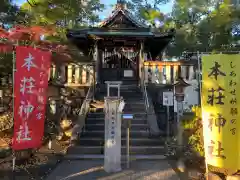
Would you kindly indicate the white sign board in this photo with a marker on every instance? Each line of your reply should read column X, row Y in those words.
column 127, row 116
column 168, row 98
column 128, row 73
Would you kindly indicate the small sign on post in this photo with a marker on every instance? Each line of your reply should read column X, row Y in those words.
column 127, row 118
column 168, row 98
column 168, row 101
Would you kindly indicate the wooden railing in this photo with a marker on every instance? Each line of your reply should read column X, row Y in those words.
column 167, row 72
column 72, row 74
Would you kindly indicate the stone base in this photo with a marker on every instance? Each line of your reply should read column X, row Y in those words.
column 233, row 177
column 212, row 176
column 112, row 170
column 181, row 165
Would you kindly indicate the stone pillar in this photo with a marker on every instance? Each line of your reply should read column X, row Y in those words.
column 77, row 74
column 191, row 73
column 175, row 73
column 49, row 73
column 69, row 74
column 168, row 74
column 160, row 70
column 91, row 70
column 53, row 71
column 112, row 149
column 84, row 74
column 183, row 72
column 63, row 72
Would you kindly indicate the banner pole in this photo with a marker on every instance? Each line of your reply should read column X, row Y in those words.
column 200, row 95
column 13, row 97
column 199, row 75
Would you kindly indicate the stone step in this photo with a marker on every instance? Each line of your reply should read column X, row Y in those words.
column 95, row 115
column 134, row 109
column 134, row 150
column 133, row 141
column 126, row 92
column 123, row 157
column 133, row 134
column 92, row 121
column 136, row 115
column 101, row 126
column 136, row 103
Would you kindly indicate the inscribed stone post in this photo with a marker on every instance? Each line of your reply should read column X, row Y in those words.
column 112, row 152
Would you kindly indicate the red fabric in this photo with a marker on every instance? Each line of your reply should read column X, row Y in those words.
column 30, row 97
column 6, row 48
column 3, row 33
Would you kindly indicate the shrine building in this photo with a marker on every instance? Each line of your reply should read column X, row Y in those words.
column 120, row 45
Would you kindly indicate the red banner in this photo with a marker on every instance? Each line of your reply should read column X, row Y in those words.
column 30, row 86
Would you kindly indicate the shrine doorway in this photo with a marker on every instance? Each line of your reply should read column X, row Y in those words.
column 120, row 67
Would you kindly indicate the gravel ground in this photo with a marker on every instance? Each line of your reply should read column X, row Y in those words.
column 37, row 167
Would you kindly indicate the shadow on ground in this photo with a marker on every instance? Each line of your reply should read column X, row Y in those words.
column 93, row 169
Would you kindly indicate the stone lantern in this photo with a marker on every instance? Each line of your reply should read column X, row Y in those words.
column 179, row 88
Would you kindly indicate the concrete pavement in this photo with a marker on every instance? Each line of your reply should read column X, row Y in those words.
column 93, row 170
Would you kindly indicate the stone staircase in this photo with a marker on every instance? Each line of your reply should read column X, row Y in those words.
column 142, row 146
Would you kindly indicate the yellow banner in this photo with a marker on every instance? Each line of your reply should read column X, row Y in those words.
column 220, row 109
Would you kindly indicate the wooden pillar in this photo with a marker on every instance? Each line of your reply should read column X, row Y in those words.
column 153, row 71
column 141, row 61
column 145, row 72
column 172, row 73
column 179, row 73
column 149, row 74
column 69, row 74
column 77, row 74
column 97, row 62
column 100, row 56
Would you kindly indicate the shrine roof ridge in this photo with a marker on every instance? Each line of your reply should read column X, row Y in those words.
column 127, row 14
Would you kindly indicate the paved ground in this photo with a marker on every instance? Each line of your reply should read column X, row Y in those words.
column 93, row 170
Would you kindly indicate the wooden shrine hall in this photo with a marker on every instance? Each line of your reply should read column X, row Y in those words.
column 120, row 45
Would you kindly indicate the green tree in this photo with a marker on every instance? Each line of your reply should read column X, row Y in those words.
column 204, row 26
column 10, row 13
column 61, row 15
column 64, row 13
column 201, row 25
column 146, row 10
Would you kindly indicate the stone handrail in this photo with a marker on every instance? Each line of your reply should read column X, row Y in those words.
column 80, row 125
column 151, row 116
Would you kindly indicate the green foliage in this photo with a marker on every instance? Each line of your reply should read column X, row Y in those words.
column 193, row 130
column 64, row 13
column 201, row 25
column 10, row 14
column 146, row 10
column 5, row 64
